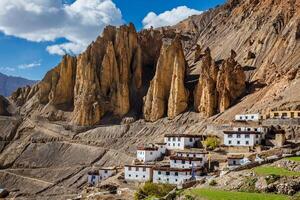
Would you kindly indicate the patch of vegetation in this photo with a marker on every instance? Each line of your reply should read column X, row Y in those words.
column 296, row 158
column 249, row 185
column 296, row 196
column 211, row 143
column 272, row 178
column 215, row 194
column 213, row 183
column 151, row 190
column 269, row 170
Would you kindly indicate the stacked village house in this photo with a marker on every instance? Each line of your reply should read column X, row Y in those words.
column 184, row 165
column 178, row 160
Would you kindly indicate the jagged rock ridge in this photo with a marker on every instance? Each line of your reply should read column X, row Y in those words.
column 115, row 74
column 167, row 93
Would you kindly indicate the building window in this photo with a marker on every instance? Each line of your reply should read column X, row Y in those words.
column 252, row 117
column 105, row 171
column 136, row 176
column 246, row 117
column 238, row 135
column 159, row 178
column 173, row 144
column 176, row 180
column 191, row 139
column 256, row 142
column 249, row 129
column 229, row 141
column 168, row 179
column 176, row 173
column 238, row 142
column 159, row 172
column 239, row 129
column 247, row 136
column 144, row 176
column 178, row 144
column 241, row 117
column 167, row 173
column 247, row 142
column 129, row 168
column 257, row 136
column 178, row 139
column 175, row 161
column 229, row 135
column 151, row 153
column 255, row 129
column 169, row 144
column 169, row 139
column 129, row 175
column 174, row 139
column 183, row 161
column 136, row 169
column 144, row 169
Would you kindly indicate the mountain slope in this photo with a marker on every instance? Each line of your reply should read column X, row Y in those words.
column 9, row 84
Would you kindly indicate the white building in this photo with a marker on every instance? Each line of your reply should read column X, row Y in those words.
column 242, row 138
column 235, row 160
column 161, row 147
column 140, row 173
column 263, row 129
column 93, row 178
column 181, row 141
column 174, row 176
column 151, row 152
column 188, row 159
column 106, row 172
column 186, row 162
column 193, row 154
column 248, row 117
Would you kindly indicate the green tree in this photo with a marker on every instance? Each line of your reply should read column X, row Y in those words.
column 211, row 143
column 153, row 190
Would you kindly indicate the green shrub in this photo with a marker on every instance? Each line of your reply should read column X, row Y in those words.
column 272, row 178
column 189, row 197
column 211, row 143
column 213, row 183
column 249, row 185
column 153, row 190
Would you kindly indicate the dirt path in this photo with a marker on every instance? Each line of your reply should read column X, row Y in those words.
column 28, row 178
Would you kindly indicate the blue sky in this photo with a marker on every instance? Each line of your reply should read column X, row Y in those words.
column 32, row 59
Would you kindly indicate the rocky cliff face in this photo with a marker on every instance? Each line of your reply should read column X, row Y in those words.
column 107, row 74
column 126, row 73
column 3, row 106
column 219, row 86
column 167, row 93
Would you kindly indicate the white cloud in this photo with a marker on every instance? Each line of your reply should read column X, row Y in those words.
column 7, row 69
column 169, row 18
column 47, row 20
column 30, row 65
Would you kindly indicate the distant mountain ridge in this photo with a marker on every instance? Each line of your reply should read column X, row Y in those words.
column 9, row 84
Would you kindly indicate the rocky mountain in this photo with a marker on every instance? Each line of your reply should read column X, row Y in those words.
column 130, row 87
column 4, row 106
column 114, row 77
column 9, row 84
